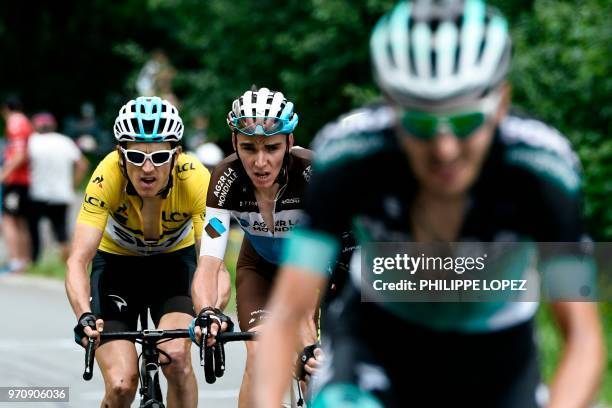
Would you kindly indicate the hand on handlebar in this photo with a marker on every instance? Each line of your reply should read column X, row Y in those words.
column 309, row 361
column 210, row 321
column 88, row 326
column 313, row 364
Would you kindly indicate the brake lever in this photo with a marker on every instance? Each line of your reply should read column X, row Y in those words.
column 90, row 352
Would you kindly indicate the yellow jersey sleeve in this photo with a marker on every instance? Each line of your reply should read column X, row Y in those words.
column 103, row 187
column 197, row 185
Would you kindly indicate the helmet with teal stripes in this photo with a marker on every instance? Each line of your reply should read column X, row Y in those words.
column 148, row 119
column 440, row 53
column 262, row 112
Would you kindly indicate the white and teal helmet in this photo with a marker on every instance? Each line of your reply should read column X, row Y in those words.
column 148, row 119
column 262, row 104
column 440, row 53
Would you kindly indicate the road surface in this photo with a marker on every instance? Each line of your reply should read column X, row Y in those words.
column 37, row 349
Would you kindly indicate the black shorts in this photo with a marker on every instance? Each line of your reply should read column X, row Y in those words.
column 121, row 286
column 57, row 215
column 375, row 357
column 15, row 200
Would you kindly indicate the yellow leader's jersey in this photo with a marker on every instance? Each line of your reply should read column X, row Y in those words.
column 109, row 207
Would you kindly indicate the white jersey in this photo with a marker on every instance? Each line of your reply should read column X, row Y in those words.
column 52, row 158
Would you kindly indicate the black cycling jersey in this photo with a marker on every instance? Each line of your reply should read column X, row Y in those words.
column 529, row 188
column 481, row 353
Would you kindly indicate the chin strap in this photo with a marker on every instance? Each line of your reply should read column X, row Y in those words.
column 163, row 193
column 283, row 174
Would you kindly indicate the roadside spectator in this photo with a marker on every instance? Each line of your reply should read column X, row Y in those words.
column 207, row 152
column 197, row 134
column 15, row 180
column 86, row 131
column 57, row 167
column 156, row 76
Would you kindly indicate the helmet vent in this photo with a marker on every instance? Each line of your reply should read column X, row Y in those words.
column 148, row 126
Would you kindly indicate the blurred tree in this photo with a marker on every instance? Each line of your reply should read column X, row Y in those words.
column 57, row 55
column 562, row 73
column 316, row 52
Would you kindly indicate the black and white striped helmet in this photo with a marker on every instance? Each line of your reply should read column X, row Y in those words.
column 440, row 53
column 148, row 119
column 263, row 103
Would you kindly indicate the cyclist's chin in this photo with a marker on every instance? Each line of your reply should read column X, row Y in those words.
column 449, row 182
column 147, row 190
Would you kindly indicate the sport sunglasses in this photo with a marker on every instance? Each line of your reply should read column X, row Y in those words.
column 138, row 158
column 425, row 126
column 259, row 125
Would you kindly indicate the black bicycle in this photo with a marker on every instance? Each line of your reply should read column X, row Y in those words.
column 212, row 358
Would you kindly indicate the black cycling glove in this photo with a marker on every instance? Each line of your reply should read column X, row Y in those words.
column 87, row 319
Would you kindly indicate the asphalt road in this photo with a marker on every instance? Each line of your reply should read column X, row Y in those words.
column 36, row 349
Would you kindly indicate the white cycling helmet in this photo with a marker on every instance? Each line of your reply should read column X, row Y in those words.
column 148, row 119
column 262, row 104
column 440, row 53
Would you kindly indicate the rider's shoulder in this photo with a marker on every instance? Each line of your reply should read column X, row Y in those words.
column 541, row 150
column 228, row 168
column 110, row 166
column 301, row 153
column 107, row 180
column 188, row 167
column 358, row 134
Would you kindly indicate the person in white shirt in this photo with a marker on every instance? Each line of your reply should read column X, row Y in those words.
column 56, row 167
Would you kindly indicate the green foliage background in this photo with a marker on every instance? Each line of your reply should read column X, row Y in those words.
column 316, row 52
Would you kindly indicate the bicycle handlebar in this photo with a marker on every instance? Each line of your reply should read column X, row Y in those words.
column 153, row 335
column 228, row 337
column 145, row 334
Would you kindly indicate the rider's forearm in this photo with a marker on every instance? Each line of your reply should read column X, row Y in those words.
column 310, row 333
column 224, row 287
column 274, row 362
column 290, row 305
column 579, row 373
column 85, row 243
column 205, row 282
column 77, row 286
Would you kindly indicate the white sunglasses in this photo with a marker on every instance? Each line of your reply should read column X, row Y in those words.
column 138, row 158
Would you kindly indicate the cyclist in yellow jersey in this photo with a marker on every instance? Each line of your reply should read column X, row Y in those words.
column 139, row 226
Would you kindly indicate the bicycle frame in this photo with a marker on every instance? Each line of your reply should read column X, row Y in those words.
column 150, row 390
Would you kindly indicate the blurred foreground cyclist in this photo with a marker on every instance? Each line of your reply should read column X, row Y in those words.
column 139, row 226
column 441, row 161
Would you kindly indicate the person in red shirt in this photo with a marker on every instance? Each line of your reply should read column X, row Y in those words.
column 15, row 179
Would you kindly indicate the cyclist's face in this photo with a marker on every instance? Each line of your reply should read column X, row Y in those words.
column 446, row 165
column 148, row 179
column 262, row 156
